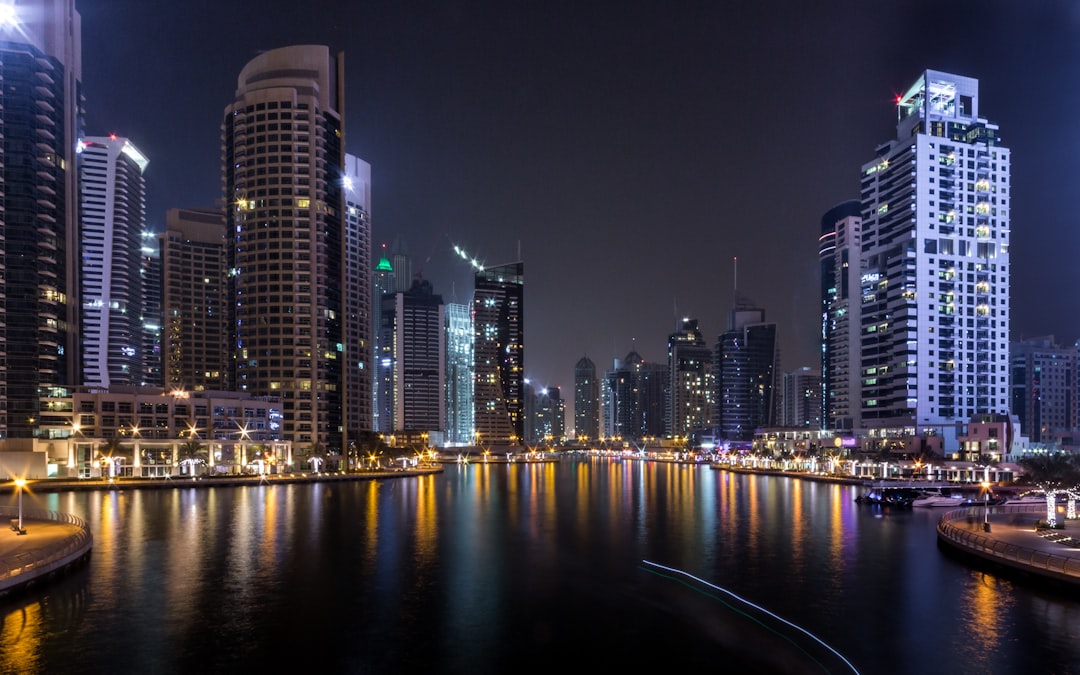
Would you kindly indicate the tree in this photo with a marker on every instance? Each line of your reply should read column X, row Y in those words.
column 192, row 454
column 1048, row 475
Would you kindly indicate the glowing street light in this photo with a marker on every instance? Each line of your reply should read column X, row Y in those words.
column 986, row 506
column 20, row 483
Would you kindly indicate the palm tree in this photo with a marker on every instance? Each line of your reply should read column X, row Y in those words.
column 316, row 455
column 1048, row 475
column 191, row 453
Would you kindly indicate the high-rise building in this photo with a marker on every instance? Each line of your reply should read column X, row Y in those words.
column 547, row 418
column 287, row 227
column 499, row 352
column 113, row 209
column 800, row 404
column 152, row 314
column 382, row 283
column 586, row 400
column 412, row 324
column 40, row 123
column 1043, row 379
column 690, row 367
column 195, row 325
column 460, row 429
column 635, row 398
column 839, row 250
column 359, row 310
column 402, row 265
column 934, row 348
column 747, row 363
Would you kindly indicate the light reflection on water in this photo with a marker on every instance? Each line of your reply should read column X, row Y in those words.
column 492, row 567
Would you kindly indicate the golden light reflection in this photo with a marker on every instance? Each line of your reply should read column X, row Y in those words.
column 20, row 640
column 982, row 607
column 427, row 520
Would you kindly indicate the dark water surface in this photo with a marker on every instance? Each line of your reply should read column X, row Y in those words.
column 523, row 568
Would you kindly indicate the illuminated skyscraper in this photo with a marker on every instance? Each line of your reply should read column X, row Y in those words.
column 40, row 122
column 586, row 400
column 747, row 362
column 934, row 347
column 289, row 244
column 690, row 368
column 195, row 328
column 499, row 328
column 113, row 200
column 460, row 428
column 382, row 283
column 839, row 250
column 359, row 310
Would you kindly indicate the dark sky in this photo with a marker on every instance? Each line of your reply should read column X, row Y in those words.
column 630, row 149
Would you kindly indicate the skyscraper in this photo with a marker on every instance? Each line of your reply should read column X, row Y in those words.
column 412, row 324
column 586, row 400
column 800, row 405
column 747, row 362
column 690, row 367
column 839, row 250
column 287, row 231
column 499, row 328
column 153, row 374
column 195, row 326
column 1044, row 388
column 40, row 122
column 382, row 283
column 460, row 428
column 359, row 310
column 934, row 346
column 113, row 201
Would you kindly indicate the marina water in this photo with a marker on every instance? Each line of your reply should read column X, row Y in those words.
column 494, row 568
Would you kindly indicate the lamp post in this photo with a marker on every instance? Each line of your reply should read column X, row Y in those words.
column 19, row 484
column 986, row 506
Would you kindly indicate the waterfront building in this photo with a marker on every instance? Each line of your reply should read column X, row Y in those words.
column 460, row 429
column 636, row 399
column 284, row 179
column 194, row 301
column 747, row 363
column 690, row 374
column 359, row 310
column 1044, row 388
column 113, row 211
column 934, row 348
column 586, row 400
column 412, row 324
column 499, row 353
column 142, row 432
column 40, row 123
column 839, row 251
column 800, row 402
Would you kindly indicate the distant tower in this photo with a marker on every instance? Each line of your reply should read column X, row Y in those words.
column 402, row 264
column 460, row 428
column 499, row 327
column 40, row 123
column 934, row 322
column 113, row 195
column 150, row 270
column 382, row 284
column 412, row 322
column 195, row 345
column 801, row 401
column 690, row 367
column 746, row 374
column 1044, row 388
column 287, row 228
column 586, row 400
column 839, row 250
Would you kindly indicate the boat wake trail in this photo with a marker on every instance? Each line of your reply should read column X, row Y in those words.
column 681, row 576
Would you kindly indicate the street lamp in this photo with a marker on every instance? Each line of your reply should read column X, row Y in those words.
column 19, row 484
column 986, row 506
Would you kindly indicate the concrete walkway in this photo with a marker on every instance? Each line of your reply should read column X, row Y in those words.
column 1007, row 536
column 51, row 543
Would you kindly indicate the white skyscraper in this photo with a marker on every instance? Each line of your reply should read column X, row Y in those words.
column 113, row 207
column 934, row 347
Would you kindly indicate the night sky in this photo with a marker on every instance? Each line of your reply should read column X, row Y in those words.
column 630, row 150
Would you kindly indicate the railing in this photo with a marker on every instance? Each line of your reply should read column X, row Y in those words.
column 1010, row 554
column 45, row 558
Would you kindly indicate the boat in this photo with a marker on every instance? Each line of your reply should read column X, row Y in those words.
column 889, row 496
column 939, row 499
column 1026, row 499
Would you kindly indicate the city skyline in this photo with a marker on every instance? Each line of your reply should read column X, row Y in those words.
column 571, row 134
